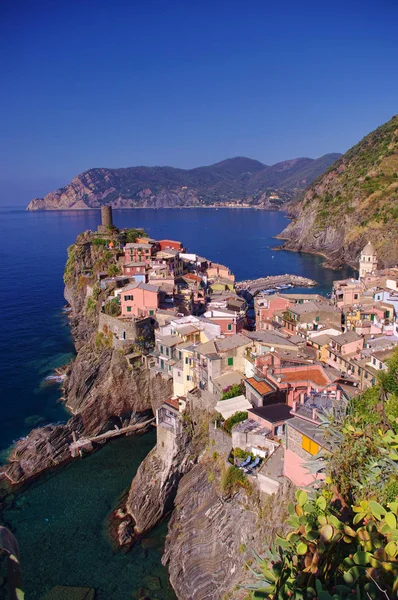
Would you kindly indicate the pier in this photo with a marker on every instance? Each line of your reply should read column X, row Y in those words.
column 86, row 443
column 254, row 286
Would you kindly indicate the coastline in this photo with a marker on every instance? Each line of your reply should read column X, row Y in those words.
column 212, row 206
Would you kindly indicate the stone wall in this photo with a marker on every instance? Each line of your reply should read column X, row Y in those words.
column 220, row 441
column 125, row 332
column 294, row 442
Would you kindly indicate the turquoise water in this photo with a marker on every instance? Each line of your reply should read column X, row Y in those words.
column 61, row 527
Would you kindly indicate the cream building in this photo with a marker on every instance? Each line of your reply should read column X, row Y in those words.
column 367, row 261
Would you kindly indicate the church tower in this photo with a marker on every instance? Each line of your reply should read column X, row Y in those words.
column 367, row 261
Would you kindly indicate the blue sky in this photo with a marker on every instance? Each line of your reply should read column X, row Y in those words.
column 97, row 83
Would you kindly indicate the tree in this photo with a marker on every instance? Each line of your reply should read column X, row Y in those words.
column 114, row 270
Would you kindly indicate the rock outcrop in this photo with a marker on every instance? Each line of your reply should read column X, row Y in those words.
column 210, row 537
column 43, row 449
column 354, row 202
column 155, row 485
column 238, row 181
column 101, row 389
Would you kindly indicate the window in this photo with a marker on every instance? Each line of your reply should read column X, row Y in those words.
column 317, row 319
column 179, row 355
column 229, row 326
column 374, row 361
column 355, row 296
column 129, row 309
column 161, row 349
column 309, row 446
column 167, row 351
column 186, row 360
column 188, row 378
column 151, row 313
column 230, row 362
column 128, row 298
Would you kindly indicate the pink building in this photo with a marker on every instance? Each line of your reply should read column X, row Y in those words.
column 139, row 300
column 217, row 271
column 134, row 268
column 347, row 292
column 266, row 307
column 304, row 436
column 296, row 382
column 230, row 322
column 170, row 244
column 138, row 252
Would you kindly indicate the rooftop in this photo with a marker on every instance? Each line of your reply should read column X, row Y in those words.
column 233, row 341
column 346, row 338
column 304, row 373
column 273, row 412
column 229, row 407
column 261, row 386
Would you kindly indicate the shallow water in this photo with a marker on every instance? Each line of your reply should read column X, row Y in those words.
column 61, row 527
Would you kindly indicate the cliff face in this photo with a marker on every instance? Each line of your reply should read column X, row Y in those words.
column 354, row 202
column 155, row 485
column 101, row 389
column 237, row 180
column 210, row 537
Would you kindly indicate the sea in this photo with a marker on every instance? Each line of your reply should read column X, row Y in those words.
column 60, row 521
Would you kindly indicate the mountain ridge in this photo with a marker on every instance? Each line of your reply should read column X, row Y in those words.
column 236, row 181
column 355, row 201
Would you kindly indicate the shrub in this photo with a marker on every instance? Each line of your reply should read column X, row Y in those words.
column 233, row 390
column 91, row 305
column 328, row 555
column 100, row 242
column 232, row 479
column 112, row 308
column 238, row 417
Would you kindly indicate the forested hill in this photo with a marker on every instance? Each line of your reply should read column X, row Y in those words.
column 236, row 180
column 355, row 201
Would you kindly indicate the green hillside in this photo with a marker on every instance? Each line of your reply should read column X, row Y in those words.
column 354, row 201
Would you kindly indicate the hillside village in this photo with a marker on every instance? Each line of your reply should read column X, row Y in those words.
column 269, row 385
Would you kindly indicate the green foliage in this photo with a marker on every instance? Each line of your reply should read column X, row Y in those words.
column 112, row 307
column 132, row 234
column 239, row 453
column 100, row 241
column 103, row 341
column 91, row 306
column 232, row 391
column 329, row 555
column 232, row 479
column 238, row 417
column 70, row 265
column 114, row 270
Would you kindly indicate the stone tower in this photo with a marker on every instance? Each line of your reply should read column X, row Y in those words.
column 368, row 260
column 106, row 216
column 106, row 219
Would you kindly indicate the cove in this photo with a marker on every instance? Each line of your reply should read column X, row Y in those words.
column 60, row 522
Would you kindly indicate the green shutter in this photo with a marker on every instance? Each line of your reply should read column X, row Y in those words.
column 230, row 362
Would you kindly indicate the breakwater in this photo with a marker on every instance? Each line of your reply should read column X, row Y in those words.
column 282, row 282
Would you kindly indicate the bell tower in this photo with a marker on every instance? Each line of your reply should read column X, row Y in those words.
column 368, row 260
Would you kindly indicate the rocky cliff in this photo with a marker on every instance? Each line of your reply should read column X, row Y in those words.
column 237, row 180
column 354, row 202
column 101, row 389
column 212, row 536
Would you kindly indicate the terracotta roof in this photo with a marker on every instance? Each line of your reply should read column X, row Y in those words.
column 315, row 375
column 262, row 387
column 173, row 402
